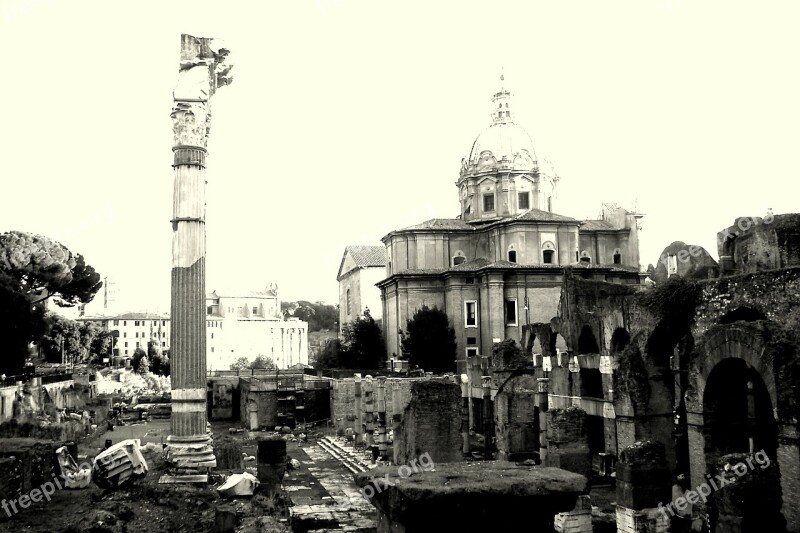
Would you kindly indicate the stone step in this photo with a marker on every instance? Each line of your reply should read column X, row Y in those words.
column 342, row 455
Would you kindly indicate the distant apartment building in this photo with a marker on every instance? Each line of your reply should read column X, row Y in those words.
column 361, row 268
column 134, row 330
column 237, row 325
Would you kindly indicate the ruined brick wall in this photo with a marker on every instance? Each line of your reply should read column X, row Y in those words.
column 431, row 423
column 267, row 408
column 344, row 407
column 754, row 244
column 775, row 295
column 37, row 459
column 567, row 441
column 516, row 416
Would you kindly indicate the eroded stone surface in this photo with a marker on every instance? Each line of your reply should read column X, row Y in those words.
column 471, row 495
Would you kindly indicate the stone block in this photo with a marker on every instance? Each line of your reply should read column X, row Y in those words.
column 641, row 521
column 271, row 451
column 484, row 496
column 579, row 520
column 575, row 459
column 228, row 453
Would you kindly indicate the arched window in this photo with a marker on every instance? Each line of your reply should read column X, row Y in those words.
column 458, row 258
column 585, row 257
column 548, row 253
column 512, row 254
column 617, row 257
column 348, row 302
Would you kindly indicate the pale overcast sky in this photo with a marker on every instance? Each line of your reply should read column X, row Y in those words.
column 346, row 120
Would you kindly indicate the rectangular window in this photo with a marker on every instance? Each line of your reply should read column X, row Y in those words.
column 255, row 310
column 470, row 281
column 470, row 314
column 472, row 352
column 116, row 322
column 137, row 344
column 124, row 334
column 163, row 322
column 137, row 334
column 126, row 345
column 136, row 323
column 511, row 312
column 164, row 344
column 488, row 202
column 524, row 200
column 472, row 340
column 212, row 349
column 124, row 322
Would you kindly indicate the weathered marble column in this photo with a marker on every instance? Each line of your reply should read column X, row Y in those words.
column 202, row 70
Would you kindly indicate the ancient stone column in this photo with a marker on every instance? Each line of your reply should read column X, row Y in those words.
column 202, row 70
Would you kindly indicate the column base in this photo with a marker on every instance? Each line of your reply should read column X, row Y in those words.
column 190, row 455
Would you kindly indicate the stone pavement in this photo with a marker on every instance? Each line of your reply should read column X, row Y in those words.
column 324, row 494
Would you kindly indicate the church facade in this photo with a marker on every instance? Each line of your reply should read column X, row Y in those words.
column 499, row 265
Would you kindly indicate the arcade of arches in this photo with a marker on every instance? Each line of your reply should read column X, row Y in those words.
column 708, row 387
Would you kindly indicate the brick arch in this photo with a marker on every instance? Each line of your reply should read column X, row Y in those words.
column 733, row 341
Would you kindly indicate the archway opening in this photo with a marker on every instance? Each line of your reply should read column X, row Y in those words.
column 738, row 412
column 620, row 339
column 587, row 343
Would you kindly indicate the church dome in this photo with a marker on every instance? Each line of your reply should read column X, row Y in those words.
column 502, row 146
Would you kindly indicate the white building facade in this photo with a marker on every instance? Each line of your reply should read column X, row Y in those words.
column 237, row 325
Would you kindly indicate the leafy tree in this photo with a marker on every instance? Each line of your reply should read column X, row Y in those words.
column 45, row 268
column 320, row 316
column 32, row 269
column 136, row 357
column 330, row 355
column 20, row 324
column 430, row 341
column 154, row 354
column 262, row 362
column 165, row 365
column 144, row 365
column 62, row 340
column 240, row 364
column 363, row 342
column 101, row 344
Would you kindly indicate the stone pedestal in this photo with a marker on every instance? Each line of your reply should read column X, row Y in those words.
column 271, row 457
column 643, row 489
column 579, row 520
